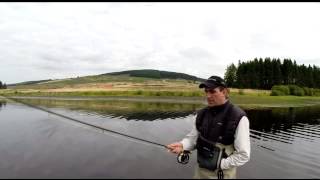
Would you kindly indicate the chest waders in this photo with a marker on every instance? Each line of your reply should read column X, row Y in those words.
column 216, row 128
column 209, row 156
column 203, row 173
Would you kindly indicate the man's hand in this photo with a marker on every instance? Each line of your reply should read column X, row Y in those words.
column 176, row 147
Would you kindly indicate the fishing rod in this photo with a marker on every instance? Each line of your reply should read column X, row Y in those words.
column 182, row 158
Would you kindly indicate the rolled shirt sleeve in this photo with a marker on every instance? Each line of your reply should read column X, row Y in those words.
column 190, row 140
column 241, row 155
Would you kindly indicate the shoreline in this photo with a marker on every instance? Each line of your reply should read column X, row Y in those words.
column 192, row 100
column 245, row 101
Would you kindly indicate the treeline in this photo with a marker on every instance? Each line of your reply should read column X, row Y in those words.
column 3, row 85
column 30, row 82
column 150, row 73
column 265, row 73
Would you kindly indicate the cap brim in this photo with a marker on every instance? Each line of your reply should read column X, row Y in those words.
column 207, row 85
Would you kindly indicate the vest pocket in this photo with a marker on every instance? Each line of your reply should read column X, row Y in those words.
column 209, row 159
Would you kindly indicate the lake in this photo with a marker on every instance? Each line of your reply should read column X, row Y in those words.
column 285, row 142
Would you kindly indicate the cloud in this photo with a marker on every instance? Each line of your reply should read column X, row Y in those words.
column 196, row 53
column 56, row 40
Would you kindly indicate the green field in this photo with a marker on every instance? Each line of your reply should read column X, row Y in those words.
column 247, row 100
column 143, row 88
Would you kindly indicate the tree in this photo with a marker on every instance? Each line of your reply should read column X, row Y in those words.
column 264, row 73
column 3, row 85
column 276, row 70
column 316, row 76
column 309, row 77
column 240, row 78
column 231, row 75
column 267, row 73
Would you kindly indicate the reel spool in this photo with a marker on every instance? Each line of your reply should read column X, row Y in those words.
column 183, row 157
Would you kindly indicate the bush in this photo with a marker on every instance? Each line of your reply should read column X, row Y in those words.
column 280, row 90
column 277, row 93
column 180, row 94
column 308, row 91
column 241, row 91
column 316, row 92
column 296, row 90
column 196, row 94
column 139, row 92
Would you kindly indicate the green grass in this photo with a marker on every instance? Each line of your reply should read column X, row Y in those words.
column 71, row 82
column 139, row 93
column 114, row 107
column 274, row 101
column 248, row 101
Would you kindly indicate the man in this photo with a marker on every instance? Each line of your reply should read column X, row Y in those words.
column 220, row 134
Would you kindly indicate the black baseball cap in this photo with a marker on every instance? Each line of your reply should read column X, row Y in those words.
column 213, row 82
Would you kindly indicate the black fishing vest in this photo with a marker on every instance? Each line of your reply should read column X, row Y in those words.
column 218, row 124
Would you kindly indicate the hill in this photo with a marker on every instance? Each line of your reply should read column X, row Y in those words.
column 132, row 79
column 150, row 73
column 30, row 82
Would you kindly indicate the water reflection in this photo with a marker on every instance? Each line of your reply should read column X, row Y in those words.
column 267, row 120
column 275, row 119
column 281, row 137
column 2, row 103
column 144, row 111
column 284, row 124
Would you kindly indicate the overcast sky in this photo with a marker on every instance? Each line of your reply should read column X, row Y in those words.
column 61, row 40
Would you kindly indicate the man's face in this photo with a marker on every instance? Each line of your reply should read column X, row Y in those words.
column 215, row 97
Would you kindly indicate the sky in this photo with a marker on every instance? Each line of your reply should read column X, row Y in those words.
column 62, row 40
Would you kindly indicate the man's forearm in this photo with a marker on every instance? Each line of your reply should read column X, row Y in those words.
column 241, row 155
column 190, row 140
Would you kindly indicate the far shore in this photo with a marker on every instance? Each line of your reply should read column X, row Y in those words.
column 246, row 101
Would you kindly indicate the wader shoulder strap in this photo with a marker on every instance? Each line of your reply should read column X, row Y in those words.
column 226, row 119
column 200, row 117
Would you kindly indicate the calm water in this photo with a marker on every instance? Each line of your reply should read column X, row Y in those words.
column 285, row 142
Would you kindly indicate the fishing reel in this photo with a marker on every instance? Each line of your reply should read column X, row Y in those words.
column 183, row 157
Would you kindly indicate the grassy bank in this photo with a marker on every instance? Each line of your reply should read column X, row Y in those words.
column 137, row 90
column 250, row 101
column 247, row 98
column 120, row 93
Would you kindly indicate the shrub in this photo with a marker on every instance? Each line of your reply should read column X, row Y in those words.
column 277, row 93
column 139, row 92
column 316, row 92
column 296, row 90
column 280, row 90
column 196, row 94
column 241, row 91
column 308, row 91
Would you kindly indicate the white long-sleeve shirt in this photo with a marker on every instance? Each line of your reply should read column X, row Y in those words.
column 240, row 156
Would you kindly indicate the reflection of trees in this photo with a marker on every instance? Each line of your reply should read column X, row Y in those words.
column 154, row 115
column 2, row 103
column 274, row 119
column 125, row 109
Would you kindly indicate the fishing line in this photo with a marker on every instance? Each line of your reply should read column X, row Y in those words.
column 182, row 158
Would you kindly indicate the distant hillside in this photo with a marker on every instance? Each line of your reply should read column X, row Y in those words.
column 150, row 73
column 30, row 82
column 128, row 77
